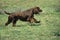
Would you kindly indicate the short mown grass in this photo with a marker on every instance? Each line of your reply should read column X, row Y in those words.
column 47, row 29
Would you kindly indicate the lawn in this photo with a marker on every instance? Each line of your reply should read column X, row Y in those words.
column 47, row 29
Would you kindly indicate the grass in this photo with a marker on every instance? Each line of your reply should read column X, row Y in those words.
column 47, row 29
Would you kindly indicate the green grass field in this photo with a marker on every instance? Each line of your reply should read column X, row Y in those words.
column 47, row 29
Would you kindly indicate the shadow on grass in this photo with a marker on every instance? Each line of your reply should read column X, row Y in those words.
column 29, row 24
column 20, row 25
column 56, row 34
column 34, row 24
column 58, row 9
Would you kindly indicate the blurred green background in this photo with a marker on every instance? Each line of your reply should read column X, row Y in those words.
column 47, row 29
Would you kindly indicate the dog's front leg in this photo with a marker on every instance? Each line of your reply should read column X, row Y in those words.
column 34, row 20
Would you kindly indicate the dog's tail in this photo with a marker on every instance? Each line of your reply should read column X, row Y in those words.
column 7, row 13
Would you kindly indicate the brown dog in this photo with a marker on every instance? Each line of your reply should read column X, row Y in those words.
column 27, row 15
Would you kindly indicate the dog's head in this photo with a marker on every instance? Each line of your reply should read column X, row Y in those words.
column 36, row 10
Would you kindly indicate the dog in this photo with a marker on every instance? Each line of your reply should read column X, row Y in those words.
column 27, row 16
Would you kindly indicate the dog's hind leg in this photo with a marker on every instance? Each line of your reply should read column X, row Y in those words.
column 9, row 21
column 14, row 22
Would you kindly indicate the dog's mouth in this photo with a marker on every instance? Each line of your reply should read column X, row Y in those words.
column 40, row 10
column 36, row 12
